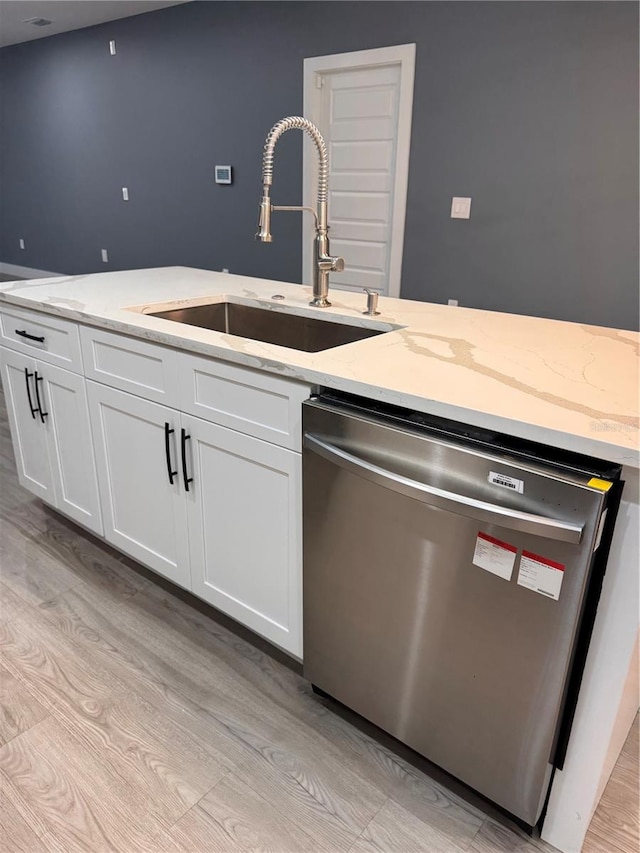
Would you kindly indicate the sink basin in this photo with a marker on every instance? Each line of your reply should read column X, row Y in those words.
column 270, row 326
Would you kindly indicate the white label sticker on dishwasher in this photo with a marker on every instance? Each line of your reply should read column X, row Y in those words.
column 494, row 556
column 540, row 575
column 506, row 482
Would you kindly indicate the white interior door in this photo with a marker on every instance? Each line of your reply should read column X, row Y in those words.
column 360, row 117
column 362, row 104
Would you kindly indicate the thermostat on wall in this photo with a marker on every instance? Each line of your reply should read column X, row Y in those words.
column 223, row 174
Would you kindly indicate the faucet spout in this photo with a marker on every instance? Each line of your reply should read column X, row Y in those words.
column 324, row 262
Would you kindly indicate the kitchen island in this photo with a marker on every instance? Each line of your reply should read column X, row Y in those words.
column 566, row 385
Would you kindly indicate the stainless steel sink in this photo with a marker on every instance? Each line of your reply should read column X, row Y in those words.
column 270, row 326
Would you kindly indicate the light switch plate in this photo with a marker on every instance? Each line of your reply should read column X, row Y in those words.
column 460, row 208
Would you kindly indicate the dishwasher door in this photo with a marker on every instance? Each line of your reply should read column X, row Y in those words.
column 430, row 590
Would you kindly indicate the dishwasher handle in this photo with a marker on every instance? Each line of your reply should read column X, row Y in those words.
column 523, row 522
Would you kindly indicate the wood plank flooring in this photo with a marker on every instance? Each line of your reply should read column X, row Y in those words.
column 615, row 827
column 133, row 719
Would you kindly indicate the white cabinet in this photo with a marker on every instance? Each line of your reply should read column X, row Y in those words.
column 244, row 511
column 211, row 509
column 195, row 462
column 49, row 419
column 143, row 507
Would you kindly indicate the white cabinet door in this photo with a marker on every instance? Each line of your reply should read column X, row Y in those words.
column 144, row 514
column 244, row 509
column 51, row 436
column 63, row 398
column 29, row 430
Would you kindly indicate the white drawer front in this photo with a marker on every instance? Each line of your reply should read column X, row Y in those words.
column 46, row 337
column 246, row 400
column 142, row 368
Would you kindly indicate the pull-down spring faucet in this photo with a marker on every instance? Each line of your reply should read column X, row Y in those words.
column 324, row 262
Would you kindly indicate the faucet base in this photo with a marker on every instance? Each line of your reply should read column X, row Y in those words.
column 320, row 302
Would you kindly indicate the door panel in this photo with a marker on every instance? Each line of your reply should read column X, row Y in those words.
column 356, row 101
column 365, row 232
column 370, row 128
column 64, row 397
column 30, row 435
column 352, row 78
column 244, row 518
column 360, row 207
column 144, row 515
column 375, row 182
column 369, row 154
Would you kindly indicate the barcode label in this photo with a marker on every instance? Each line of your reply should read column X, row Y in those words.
column 506, row 482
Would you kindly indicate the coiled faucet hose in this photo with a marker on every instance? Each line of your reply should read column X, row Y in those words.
column 298, row 123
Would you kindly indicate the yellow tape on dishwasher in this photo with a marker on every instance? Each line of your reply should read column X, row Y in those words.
column 603, row 485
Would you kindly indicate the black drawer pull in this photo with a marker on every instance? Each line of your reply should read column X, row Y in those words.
column 167, row 449
column 43, row 415
column 184, row 438
column 28, row 376
column 24, row 334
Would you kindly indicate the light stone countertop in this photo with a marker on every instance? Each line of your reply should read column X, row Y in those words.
column 564, row 384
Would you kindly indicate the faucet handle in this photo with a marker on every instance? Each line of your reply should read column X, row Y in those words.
column 327, row 263
column 372, row 302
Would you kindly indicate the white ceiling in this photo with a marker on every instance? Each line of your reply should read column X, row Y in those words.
column 66, row 15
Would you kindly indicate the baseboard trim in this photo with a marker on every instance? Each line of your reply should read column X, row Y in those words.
column 26, row 272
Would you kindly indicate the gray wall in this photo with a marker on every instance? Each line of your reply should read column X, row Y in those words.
column 529, row 108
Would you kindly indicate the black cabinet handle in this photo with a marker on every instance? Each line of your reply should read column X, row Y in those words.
column 28, row 376
column 24, row 334
column 167, row 449
column 184, row 438
column 43, row 415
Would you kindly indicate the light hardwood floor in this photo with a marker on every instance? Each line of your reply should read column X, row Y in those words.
column 133, row 719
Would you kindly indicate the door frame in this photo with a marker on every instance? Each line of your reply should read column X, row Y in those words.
column 404, row 55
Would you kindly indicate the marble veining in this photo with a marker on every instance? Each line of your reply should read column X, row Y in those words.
column 462, row 353
column 568, row 385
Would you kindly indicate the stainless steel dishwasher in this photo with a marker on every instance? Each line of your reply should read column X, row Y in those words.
column 451, row 578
